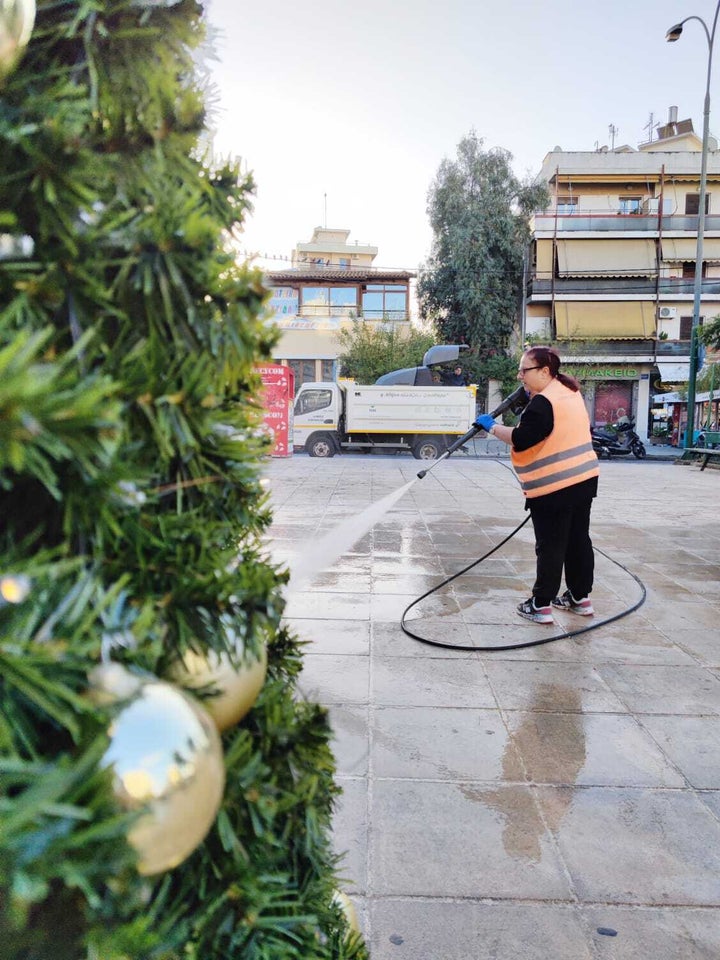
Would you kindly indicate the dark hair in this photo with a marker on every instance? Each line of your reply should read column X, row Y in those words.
column 549, row 357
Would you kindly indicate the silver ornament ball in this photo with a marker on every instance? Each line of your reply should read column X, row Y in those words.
column 168, row 765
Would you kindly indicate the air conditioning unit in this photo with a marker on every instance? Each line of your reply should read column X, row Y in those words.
column 668, row 313
column 652, row 206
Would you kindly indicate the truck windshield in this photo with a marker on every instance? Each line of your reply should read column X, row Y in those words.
column 311, row 400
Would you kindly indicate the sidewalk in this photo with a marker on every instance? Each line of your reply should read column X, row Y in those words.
column 560, row 802
column 490, row 447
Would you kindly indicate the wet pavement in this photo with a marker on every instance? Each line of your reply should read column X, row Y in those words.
column 554, row 802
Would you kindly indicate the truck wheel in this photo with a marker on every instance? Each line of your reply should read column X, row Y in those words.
column 321, row 445
column 428, row 448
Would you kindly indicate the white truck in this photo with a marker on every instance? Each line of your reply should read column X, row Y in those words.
column 331, row 417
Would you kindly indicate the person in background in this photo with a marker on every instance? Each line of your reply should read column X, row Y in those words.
column 456, row 378
column 552, row 453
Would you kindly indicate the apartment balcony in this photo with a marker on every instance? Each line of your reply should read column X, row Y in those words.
column 603, row 221
column 621, row 287
column 662, row 349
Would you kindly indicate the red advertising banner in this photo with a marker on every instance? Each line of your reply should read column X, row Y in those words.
column 277, row 398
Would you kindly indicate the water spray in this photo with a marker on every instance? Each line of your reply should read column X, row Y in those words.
column 323, row 552
column 516, row 402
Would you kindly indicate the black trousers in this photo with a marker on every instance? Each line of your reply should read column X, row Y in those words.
column 561, row 522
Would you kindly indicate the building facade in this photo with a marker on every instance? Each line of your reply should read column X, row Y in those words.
column 611, row 270
column 330, row 283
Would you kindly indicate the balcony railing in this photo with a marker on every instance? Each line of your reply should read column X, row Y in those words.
column 349, row 313
column 677, row 349
column 599, row 221
column 621, row 286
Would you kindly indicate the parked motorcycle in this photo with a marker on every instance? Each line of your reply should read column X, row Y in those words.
column 618, row 441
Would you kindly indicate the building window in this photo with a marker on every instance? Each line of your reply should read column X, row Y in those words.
column 686, row 327
column 692, row 204
column 323, row 301
column 567, row 206
column 688, row 269
column 328, row 371
column 630, row 205
column 304, row 371
column 315, row 301
column 385, row 300
column 343, row 296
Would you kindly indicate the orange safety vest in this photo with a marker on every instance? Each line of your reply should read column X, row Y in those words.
column 566, row 456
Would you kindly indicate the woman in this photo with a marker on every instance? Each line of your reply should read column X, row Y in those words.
column 558, row 471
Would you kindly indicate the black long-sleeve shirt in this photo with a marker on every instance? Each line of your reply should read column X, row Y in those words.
column 536, row 423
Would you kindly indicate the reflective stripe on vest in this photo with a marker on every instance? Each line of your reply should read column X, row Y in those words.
column 566, row 456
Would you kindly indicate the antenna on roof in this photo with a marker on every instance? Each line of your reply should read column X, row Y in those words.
column 649, row 126
column 612, row 130
column 325, row 221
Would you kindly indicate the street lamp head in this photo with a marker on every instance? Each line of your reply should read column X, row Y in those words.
column 673, row 33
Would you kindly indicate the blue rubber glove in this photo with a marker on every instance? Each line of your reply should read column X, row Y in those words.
column 485, row 421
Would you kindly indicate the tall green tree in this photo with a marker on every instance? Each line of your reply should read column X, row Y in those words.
column 133, row 522
column 709, row 333
column 367, row 350
column 471, row 285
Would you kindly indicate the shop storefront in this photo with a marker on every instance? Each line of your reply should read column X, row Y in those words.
column 613, row 391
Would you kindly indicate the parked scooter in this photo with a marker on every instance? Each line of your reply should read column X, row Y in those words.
column 619, row 441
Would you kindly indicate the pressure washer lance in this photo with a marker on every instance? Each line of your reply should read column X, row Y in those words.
column 516, row 402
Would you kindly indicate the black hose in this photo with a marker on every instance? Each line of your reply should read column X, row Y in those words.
column 527, row 643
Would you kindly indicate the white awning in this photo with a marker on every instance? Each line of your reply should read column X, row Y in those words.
column 604, row 319
column 606, row 258
column 674, row 371
column 685, row 248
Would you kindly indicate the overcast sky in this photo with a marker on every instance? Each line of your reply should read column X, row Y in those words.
column 344, row 111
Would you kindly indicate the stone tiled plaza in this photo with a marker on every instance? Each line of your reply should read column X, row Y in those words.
column 556, row 802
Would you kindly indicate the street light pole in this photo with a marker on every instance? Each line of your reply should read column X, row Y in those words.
column 671, row 36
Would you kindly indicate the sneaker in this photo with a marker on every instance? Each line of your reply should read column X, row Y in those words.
column 567, row 601
column 528, row 610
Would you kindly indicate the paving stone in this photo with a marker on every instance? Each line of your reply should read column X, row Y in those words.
column 636, row 846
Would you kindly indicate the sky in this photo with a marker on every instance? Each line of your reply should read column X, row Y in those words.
column 343, row 111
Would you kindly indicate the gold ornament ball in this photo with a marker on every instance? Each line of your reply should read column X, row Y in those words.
column 17, row 18
column 234, row 682
column 168, row 763
column 345, row 903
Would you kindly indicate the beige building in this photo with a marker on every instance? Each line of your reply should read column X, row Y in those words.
column 330, row 283
column 612, row 266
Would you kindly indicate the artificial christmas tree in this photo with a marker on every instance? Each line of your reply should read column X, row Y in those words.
column 132, row 516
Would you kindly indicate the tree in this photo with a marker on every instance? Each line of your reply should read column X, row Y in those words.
column 132, row 523
column 709, row 333
column 471, row 286
column 370, row 350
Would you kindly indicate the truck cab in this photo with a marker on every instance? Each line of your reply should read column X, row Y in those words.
column 317, row 412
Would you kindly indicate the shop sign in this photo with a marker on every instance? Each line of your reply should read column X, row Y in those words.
column 601, row 372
